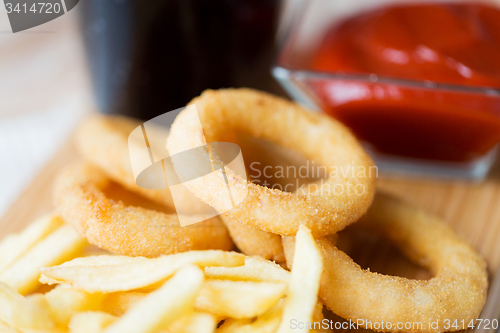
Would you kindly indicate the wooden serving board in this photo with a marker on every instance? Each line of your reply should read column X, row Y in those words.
column 472, row 210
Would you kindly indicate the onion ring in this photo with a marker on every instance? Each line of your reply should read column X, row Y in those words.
column 128, row 230
column 103, row 141
column 255, row 242
column 457, row 290
column 224, row 113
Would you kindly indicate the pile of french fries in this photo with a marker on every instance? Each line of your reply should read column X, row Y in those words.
column 49, row 284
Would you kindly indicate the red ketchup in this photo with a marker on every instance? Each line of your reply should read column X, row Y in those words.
column 455, row 44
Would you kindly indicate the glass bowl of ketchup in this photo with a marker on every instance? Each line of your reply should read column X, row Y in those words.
column 418, row 82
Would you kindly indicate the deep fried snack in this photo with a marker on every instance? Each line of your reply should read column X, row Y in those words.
column 456, row 292
column 103, row 141
column 339, row 201
column 128, row 230
column 255, row 242
column 251, row 240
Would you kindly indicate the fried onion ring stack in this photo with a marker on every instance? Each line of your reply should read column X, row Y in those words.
column 265, row 223
column 103, row 141
column 223, row 113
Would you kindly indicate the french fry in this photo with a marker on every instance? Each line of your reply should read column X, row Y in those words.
column 130, row 276
column 4, row 328
column 238, row 299
column 8, row 297
column 15, row 245
column 270, row 320
column 161, row 307
column 32, row 313
column 169, row 294
column 102, row 260
column 302, row 294
column 61, row 245
column 194, row 322
column 119, row 303
column 65, row 302
column 90, row 321
column 254, row 269
column 266, row 323
column 317, row 320
column 232, row 325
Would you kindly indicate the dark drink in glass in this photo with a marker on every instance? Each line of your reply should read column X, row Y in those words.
column 149, row 57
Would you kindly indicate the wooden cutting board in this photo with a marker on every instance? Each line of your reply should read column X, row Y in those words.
column 472, row 210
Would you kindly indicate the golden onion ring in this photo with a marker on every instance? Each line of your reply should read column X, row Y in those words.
column 224, row 113
column 128, row 230
column 456, row 292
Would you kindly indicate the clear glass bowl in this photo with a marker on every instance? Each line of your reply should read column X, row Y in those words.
column 460, row 142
